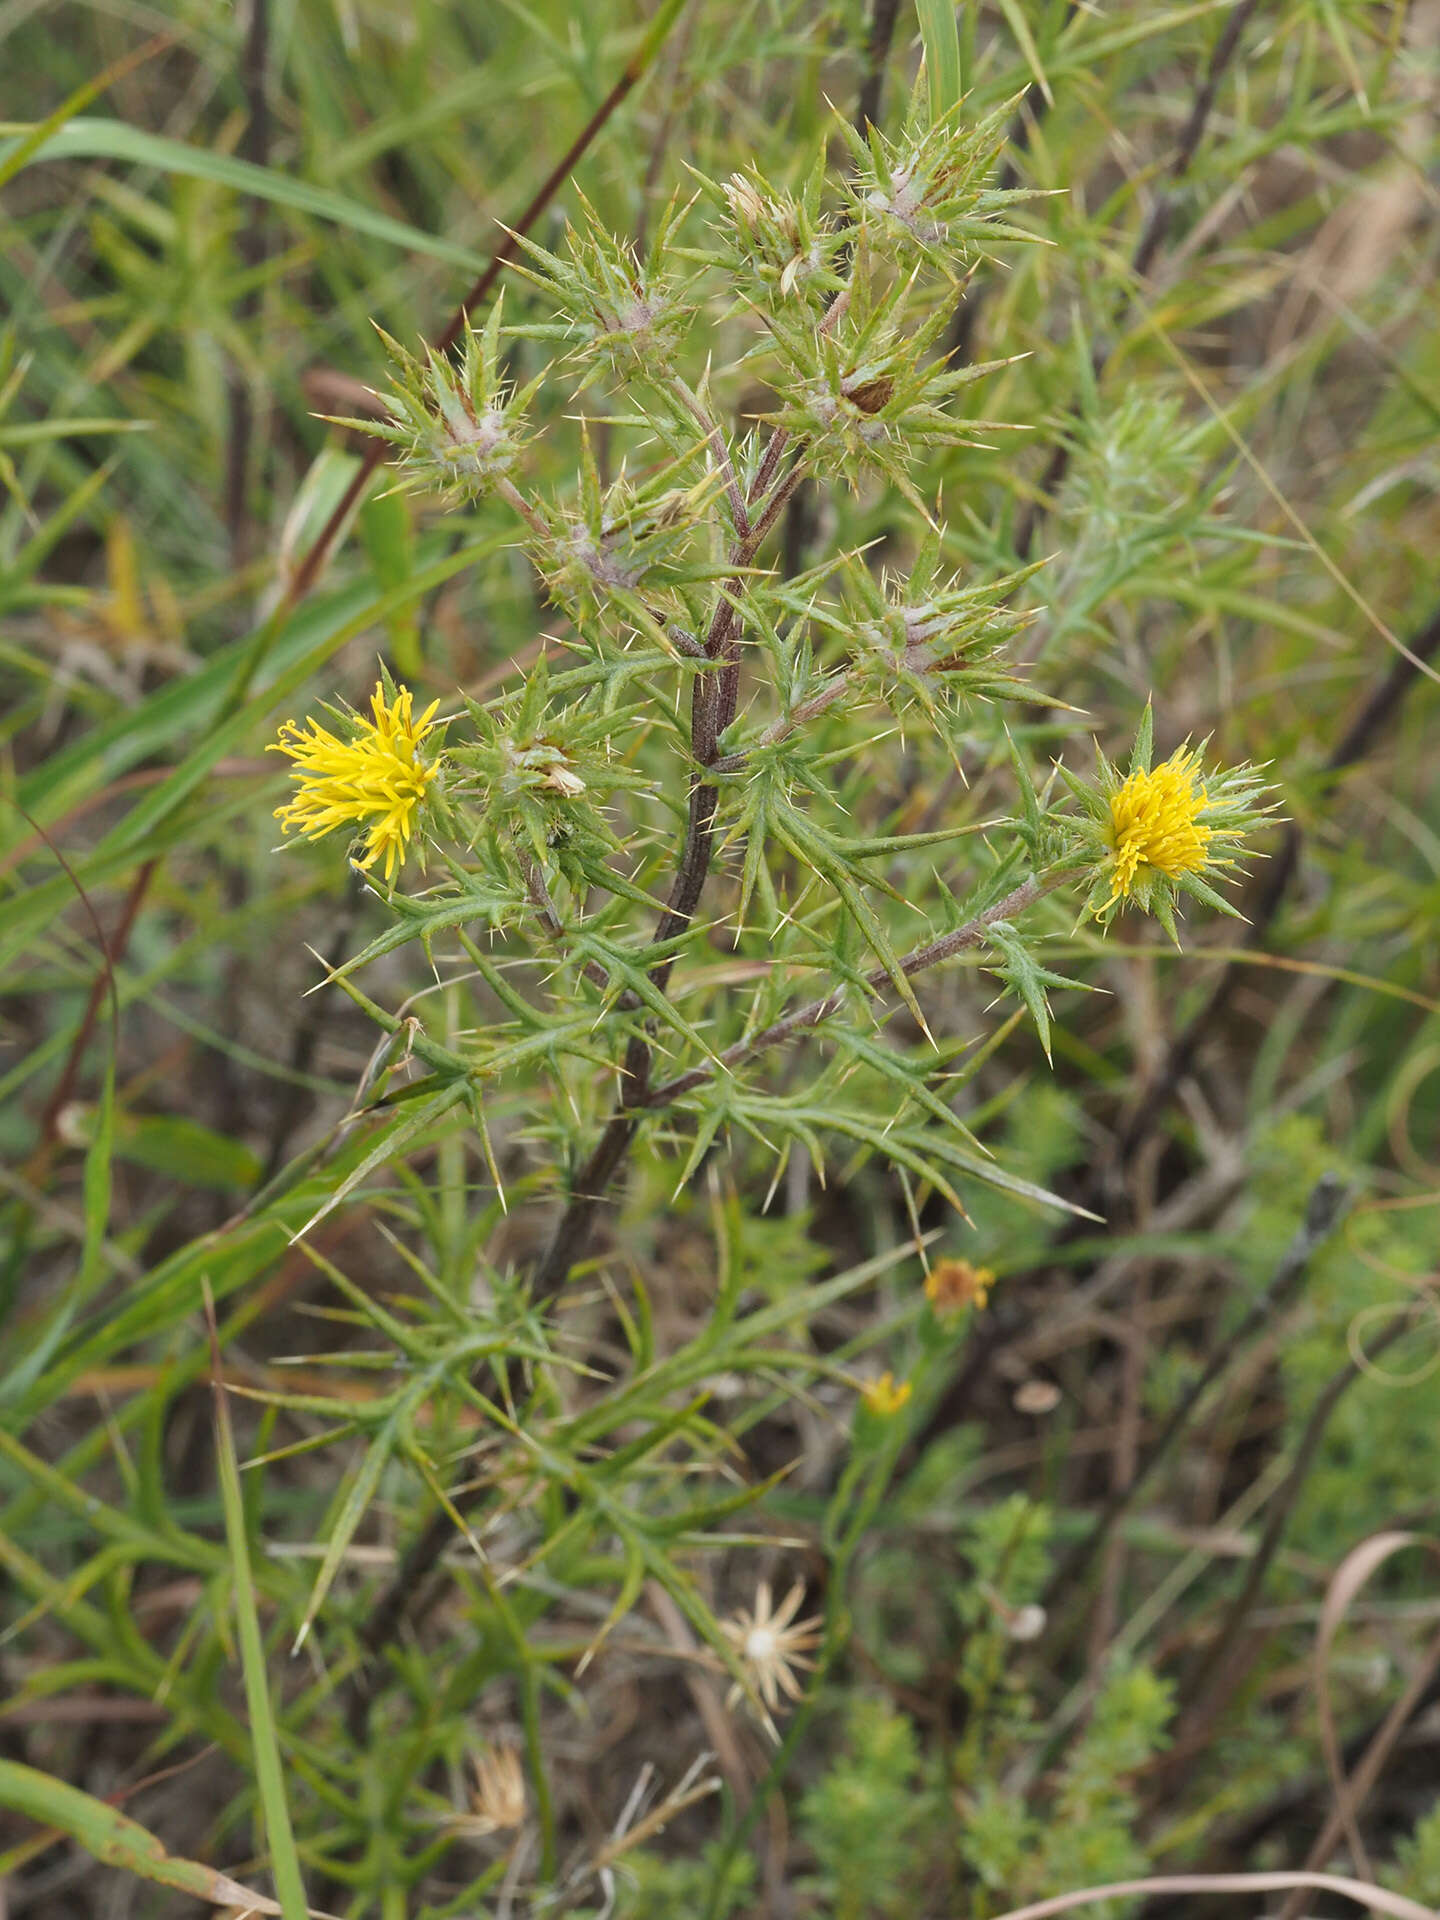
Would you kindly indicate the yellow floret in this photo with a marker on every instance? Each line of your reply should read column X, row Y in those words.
column 886, row 1396
column 377, row 780
column 1154, row 820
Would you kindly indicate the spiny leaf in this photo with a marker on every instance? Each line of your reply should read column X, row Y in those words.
column 1028, row 977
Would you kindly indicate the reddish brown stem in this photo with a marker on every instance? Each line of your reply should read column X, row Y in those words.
column 111, row 952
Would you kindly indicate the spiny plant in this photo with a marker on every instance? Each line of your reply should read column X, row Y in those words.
column 682, row 896
column 691, row 774
column 659, row 866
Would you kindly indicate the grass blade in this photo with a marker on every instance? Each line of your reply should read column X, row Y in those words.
column 942, row 55
column 284, row 1859
column 119, row 1841
column 89, row 139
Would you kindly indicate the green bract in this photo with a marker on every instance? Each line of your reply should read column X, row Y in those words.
column 457, row 430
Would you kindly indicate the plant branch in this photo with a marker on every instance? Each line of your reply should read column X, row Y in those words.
column 816, row 1012
column 710, row 427
column 712, row 708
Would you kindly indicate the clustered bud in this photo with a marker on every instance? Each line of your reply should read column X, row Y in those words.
column 781, row 239
column 865, row 393
column 458, row 428
column 928, row 192
column 929, row 636
column 622, row 314
column 619, row 548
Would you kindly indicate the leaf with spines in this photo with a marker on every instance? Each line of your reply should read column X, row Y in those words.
column 1028, row 976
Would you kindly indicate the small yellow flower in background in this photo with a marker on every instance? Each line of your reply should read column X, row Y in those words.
column 375, row 780
column 952, row 1285
column 771, row 1647
column 885, row 1396
column 1155, row 822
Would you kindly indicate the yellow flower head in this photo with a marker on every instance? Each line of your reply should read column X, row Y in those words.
column 1155, row 823
column 886, row 1395
column 376, row 780
column 952, row 1285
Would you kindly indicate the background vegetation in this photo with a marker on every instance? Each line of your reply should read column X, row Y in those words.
column 349, row 1548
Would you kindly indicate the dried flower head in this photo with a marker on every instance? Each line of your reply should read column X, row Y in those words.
column 745, row 199
column 376, row 779
column 497, row 1800
column 952, row 1285
column 773, row 1644
column 885, row 1396
column 1024, row 1623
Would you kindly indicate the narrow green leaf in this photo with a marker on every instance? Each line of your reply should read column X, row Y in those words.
column 284, row 1860
column 941, row 35
column 1015, row 19
column 112, row 140
column 118, row 1841
column 22, row 151
column 350, row 1507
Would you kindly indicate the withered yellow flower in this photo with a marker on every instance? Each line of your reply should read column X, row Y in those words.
column 376, row 780
column 1155, row 823
column 886, row 1395
column 952, row 1285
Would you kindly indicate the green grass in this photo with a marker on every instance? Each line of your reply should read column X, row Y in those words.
column 444, row 1495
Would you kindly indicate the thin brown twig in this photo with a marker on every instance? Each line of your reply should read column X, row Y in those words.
column 111, row 952
column 878, row 41
column 1292, row 1807
column 250, row 244
column 1350, row 1791
column 1229, row 1655
column 1361, row 1783
column 1322, row 1213
column 125, row 783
